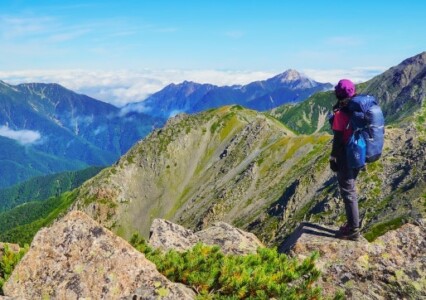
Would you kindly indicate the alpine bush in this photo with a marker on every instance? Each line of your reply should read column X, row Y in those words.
column 213, row 275
column 8, row 260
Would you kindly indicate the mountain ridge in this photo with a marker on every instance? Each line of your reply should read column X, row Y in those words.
column 192, row 97
column 65, row 125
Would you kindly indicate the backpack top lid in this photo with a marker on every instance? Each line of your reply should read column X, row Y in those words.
column 361, row 103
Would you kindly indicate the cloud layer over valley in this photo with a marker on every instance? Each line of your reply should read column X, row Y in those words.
column 125, row 86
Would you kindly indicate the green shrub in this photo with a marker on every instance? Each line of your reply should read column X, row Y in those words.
column 8, row 260
column 213, row 275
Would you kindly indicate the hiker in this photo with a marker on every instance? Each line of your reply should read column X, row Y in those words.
column 346, row 176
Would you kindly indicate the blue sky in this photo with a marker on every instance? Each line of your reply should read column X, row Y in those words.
column 127, row 49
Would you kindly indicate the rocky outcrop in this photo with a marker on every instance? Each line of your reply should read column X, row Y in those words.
column 230, row 239
column 167, row 235
column 391, row 267
column 77, row 258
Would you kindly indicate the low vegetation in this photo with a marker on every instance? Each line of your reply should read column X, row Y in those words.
column 8, row 260
column 213, row 275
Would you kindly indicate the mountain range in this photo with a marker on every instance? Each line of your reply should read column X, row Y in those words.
column 245, row 168
column 191, row 97
column 270, row 177
column 46, row 128
column 249, row 169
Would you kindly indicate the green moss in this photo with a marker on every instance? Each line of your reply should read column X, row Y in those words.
column 381, row 228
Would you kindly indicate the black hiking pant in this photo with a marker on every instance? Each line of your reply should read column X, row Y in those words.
column 346, row 178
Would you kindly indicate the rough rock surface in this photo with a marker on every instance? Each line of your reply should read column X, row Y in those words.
column 391, row 267
column 167, row 235
column 230, row 239
column 77, row 258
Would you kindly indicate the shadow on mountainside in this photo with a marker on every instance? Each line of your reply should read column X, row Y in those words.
column 307, row 228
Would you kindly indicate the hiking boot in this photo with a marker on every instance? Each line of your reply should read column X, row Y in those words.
column 347, row 232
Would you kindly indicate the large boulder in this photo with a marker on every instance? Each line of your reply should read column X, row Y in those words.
column 391, row 267
column 77, row 258
column 166, row 235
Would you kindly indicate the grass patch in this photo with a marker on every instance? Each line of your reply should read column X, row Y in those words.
column 381, row 228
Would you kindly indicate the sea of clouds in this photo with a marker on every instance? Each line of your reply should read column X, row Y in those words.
column 125, row 86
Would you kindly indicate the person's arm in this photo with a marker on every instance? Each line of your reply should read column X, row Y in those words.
column 338, row 143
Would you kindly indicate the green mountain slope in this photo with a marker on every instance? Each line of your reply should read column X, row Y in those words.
column 309, row 116
column 250, row 170
column 244, row 168
column 226, row 164
column 67, row 131
column 43, row 187
column 20, row 224
column 18, row 162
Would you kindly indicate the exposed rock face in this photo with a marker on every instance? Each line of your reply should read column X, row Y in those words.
column 77, row 258
column 166, row 235
column 230, row 239
column 392, row 267
column 402, row 89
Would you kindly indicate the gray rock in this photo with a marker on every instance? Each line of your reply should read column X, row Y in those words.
column 77, row 258
column 166, row 235
column 230, row 239
column 391, row 267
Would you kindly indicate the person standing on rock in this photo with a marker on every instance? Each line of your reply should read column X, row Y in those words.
column 346, row 176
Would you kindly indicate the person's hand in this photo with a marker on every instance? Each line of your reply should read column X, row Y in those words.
column 333, row 164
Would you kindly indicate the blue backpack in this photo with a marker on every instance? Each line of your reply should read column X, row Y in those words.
column 368, row 121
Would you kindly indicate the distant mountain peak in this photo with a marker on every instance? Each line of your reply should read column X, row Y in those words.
column 294, row 80
column 291, row 75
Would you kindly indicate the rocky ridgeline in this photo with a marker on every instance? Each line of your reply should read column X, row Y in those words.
column 77, row 258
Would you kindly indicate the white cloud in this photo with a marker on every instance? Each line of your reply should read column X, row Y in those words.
column 125, row 86
column 24, row 137
column 334, row 75
column 122, row 87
